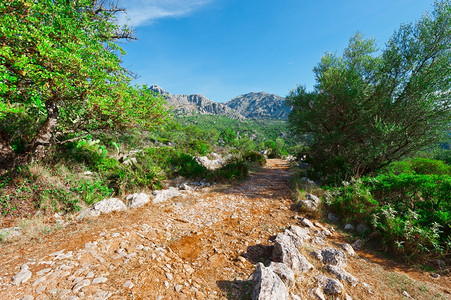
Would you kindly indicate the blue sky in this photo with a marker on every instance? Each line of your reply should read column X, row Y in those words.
column 224, row 48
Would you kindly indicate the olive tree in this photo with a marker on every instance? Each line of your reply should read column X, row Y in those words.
column 60, row 71
column 370, row 107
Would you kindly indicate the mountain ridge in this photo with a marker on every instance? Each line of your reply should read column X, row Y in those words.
column 253, row 105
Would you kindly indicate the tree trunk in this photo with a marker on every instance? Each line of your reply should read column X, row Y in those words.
column 45, row 134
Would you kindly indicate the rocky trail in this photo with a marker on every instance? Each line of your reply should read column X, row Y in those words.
column 217, row 242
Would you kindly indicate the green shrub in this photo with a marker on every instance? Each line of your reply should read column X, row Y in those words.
column 92, row 191
column 411, row 212
column 93, row 155
column 187, row 166
column 353, row 201
column 427, row 195
column 197, row 146
column 234, row 169
column 255, row 157
column 419, row 166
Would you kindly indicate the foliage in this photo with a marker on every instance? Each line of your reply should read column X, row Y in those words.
column 353, row 201
column 368, row 110
column 48, row 188
column 245, row 135
column 423, row 166
column 234, row 169
column 409, row 207
column 60, row 67
column 275, row 149
column 187, row 166
column 255, row 157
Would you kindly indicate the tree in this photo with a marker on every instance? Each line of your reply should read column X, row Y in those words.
column 368, row 110
column 60, row 70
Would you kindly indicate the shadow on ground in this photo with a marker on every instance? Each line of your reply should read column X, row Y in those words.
column 236, row 289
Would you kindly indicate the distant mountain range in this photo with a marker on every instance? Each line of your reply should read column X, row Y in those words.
column 259, row 105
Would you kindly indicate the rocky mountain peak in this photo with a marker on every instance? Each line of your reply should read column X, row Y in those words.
column 158, row 89
column 253, row 105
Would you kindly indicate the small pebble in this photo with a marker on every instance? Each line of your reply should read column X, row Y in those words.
column 405, row 294
column 178, row 288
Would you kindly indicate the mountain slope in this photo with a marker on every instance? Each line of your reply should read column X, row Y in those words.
column 260, row 106
column 188, row 104
column 250, row 106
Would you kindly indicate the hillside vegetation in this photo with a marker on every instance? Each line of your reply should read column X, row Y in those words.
column 73, row 130
column 378, row 125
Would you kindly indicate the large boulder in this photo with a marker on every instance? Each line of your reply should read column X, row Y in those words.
column 267, row 285
column 286, row 252
column 342, row 275
column 331, row 256
column 297, row 241
column 102, row 207
column 216, row 162
column 330, row 286
column 137, row 200
column 311, row 203
column 284, row 272
column 348, row 249
column 22, row 276
column 302, row 233
column 163, row 195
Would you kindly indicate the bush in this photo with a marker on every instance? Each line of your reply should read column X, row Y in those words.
column 255, row 157
column 353, row 201
column 187, row 166
column 234, row 169
column 422, row 166
column 411, row 212
column 92, row 191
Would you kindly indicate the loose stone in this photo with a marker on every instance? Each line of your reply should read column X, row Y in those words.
column 43, row 271
column 330, row 286
column 99, row 280
column 178, row 288
column 22, row 276
column 348, row 249
column 81, row 285
column 128, row 284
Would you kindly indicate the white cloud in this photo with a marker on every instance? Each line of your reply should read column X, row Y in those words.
column 144, row 12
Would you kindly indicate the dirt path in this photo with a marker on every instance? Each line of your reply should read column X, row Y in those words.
column 202, row 245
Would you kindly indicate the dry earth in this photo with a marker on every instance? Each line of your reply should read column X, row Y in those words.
column 202, row 245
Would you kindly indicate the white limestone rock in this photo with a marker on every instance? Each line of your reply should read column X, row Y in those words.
column 267, row 285
column 284, row 272
column 137, row 200
column 22, row 276
column 331, row 256
column 306, row 222
column 348, row 249
column 163, row 195
column 342, row 275
column 285, row 251
column 330, row 286
column 102, row 207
